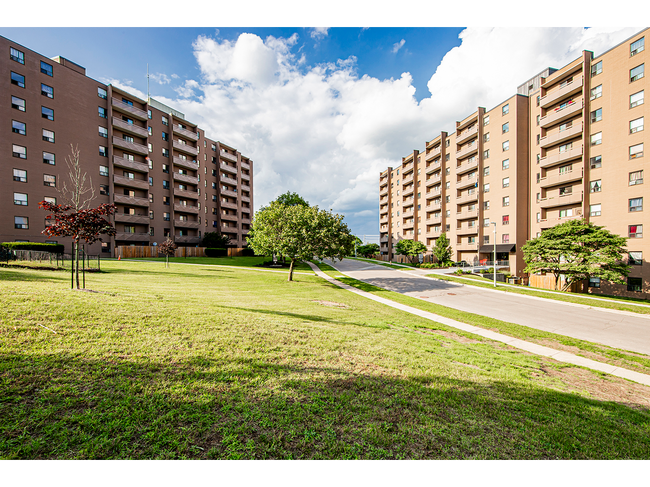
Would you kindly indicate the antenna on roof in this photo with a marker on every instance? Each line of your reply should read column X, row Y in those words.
column 148, row 95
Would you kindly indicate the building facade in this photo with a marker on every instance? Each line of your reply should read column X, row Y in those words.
column 568, row 145
column 165, row 176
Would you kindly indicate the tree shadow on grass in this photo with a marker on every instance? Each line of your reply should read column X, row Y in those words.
column 61, row 406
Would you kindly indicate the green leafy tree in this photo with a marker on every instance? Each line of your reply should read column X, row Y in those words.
column 410, row 248
column 214, row 240
column 291, row 199
column 442, row 249
column 577, row 250
column 299, row 233
column 368, row 250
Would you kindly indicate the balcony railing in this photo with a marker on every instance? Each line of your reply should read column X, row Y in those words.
column 227, row 168
column 223, row 204
column 120, row 106
column 182, row 193
column 130, row 200
column 188, row 134
column 186, row 208
column 560, row 114
column 125, row 218
column 187, row 239
column 558, row 157
column 186, row 224
column 130, row 146
column 467, row 150
column 467, row 183
column 466, row 198
column 467, row 166
column 464, row 215
column 232, row 194
column 467, row 230
column 551, row 222
column 187, row 148
column 185, row 178
column 562, row 200
column 131, row 183
column 562, row 178
column 127, row 163
column 467, row 134
column 186, row 163
column 130, row 128
column 433, row 153
column 555, row 95
column 230, row 157
column 228, row 180
column 433, row 167
column 131, row 237
column 245, row 165
column 232, row 218
column 557, row 137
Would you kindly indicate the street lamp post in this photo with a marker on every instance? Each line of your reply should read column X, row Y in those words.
column 494, row 260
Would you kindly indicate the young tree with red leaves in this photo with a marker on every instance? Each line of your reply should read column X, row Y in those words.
column 167, row 248
column 76, row 218
column 86, row 225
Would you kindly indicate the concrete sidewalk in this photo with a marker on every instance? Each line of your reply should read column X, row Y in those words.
column 558, row 355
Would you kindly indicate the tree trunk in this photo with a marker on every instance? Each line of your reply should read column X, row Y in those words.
column 557, row 282
column 291, row 270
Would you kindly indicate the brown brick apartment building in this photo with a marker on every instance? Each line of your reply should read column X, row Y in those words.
column 161, row 171
column 569, row 144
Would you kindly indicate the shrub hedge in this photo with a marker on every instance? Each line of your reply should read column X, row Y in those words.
column 42, row 247
column 210, row 252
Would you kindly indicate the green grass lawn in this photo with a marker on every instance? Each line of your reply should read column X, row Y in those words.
column 210, row 362
column 230, row 261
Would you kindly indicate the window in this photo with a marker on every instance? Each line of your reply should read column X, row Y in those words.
column 636, row 151
column 595, row 162
column 597, row 68
column 597, row 139
column 594, row 282
column 596, row 115
column 129, row 229
column 505, row 238
column 165, row 168
column 127, row 120
column 49, row 158
column 49, row 180
column 538, row 119
column 128, row 138
column 506, row 182
column 17, row 79
column 505, row 164
column 128, row 175
column 595, row 186
column 127, row 102
column 635, row 231
column 166, row 217
column 19, row 151
column 636, row 99
column 506, row 201
column 486, row 188
column 165, row 184
column 150, row 198
column 637, row 46
column 538, row 158
column 165, row 136
column 635, row 258
column 18, row 127
column 50, row 200
column 596, row 92
column 447, row 213
column 20, row 199
column 103, row 151
column 594, row 210
column 48, row 136
column 566, row 190
column 486, row 171
column 102, row 112
column 636, row 177
column 505, row 128
column 636, row 73
column 566, row 213
column 149, row 130
column 446, row 157
column 486, row 154
column 47, row 113
column 505, row 220
column 150, row 181
column 165, row 153
column 103, row 132
column 103, row 170
column 165, row 120
column 149, row 114
column 47, row 91
column 101, row 92
column 486, row 222
column 447, row 185
column 565, row 147
column 20, row 176
column 565, row 169
column 505, row 110
column 538, row 138
column 486, row 137
column 506, row 145
column 635, row 284
column 539, row 97
column 103, row 189
column 538, row 217
column 486, row 239
column 486, row 205
column 150, row 147
column 636, row 125
column 636, row 204
column 486, row 120
column 17, row 55
column 166, row 200
column 21, row 222
column 46, row 69
column 150, row 214
column 18, row 103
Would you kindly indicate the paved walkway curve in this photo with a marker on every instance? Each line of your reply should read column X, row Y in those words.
column 558, row 355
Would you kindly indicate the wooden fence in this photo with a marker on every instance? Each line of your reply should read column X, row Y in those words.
column 548, row 282
column 140, row 252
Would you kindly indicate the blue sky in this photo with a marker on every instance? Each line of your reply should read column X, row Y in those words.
column 321, row 111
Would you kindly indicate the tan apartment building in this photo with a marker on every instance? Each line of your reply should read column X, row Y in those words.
column 570, row 144
column 165, row 176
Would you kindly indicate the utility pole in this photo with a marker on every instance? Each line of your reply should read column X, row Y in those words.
column 494, row 261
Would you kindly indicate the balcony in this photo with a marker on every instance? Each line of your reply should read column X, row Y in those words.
column 434, row 192
column 467, row 166
column 383, row 199
column 433, row 180
column 228, row 180
column 556, row 95
column 408, row 167
column 383, row 219
column 466, row 247
column 224, row 204
column 130, row 128
column 186, row 163
column 564, row 200
column 232, row 218
column 130, row 146
column 186, row 224
column 409, row 190
column 182, row 193
column 227, row 168
column 467, row 134
column 230, row 157
column 232, row 194
column 132, row 237
column 130, row 200
column 468, row 150
column 557, row 137
column 467, row 198
column 467, row 214
column 186, row 208
column 434, row 219
column 383, row 240
column 245, row 187
column 188, row 134
column 187, row 148
column 185, row 178
column 233, row 229
column 467, row 183
column 558, row 157
column 464, row 123
column 565, row 177
column 187, row 239
column 245, row 198
column 434, row 166
column 467, row 230
column 246, row 221
column 120, row 106
column 560, row 114
column 433, row 153
column 131, row 183
column 245, row 177
column 408, row 224
column 551, row 222
column 128, row 164
column 407, row 179
column 245, row 165
column 139, row 219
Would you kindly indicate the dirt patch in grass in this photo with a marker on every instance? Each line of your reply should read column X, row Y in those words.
column 607, row 388
column 453, row 336
column 331, row 304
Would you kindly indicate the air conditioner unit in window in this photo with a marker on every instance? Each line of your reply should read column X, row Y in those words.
column 578, row 211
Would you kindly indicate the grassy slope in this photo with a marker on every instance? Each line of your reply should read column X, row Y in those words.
column 205, row 362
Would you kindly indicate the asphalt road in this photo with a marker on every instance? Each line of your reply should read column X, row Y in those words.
column 618, row 330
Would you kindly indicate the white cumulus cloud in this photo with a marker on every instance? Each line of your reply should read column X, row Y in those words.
column 319, row 33
column 160, row 78
column 397, row 46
